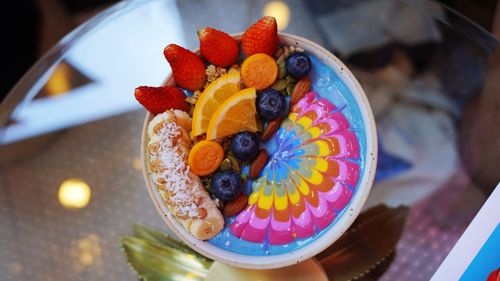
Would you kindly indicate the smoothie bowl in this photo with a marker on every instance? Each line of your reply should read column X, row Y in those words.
column 270, row 160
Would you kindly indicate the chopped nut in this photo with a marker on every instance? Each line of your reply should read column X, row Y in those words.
column 292, row 49
column 191, row 100
column 154, row 165
column 299, row 50
column 183, row 216
column 157, row 127
column 202, row 213
column 153, row 148
column 211, row 70
column 221, row 71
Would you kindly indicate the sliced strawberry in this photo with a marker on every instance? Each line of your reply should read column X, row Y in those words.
column 218, row 47
column 158, row 99
column 261, row 37
column 187, row 67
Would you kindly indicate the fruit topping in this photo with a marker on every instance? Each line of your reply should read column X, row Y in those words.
column 226, row 185
column 188, row 69
column 301, row 89
column 245, row 146
column 205, row 157
column 211, row 98
column 258, row 164
column 158, row 99
column 261, row 37
column 218, row 47
column 298, row 65
column 270, row 104
column 259, row 71
column 234, row 115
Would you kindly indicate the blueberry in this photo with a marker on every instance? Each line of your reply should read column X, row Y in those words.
column 226, row 185
column 270, row 104
column 298, row 65
column 245, row 146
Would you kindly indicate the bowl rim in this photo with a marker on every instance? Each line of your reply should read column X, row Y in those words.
column 343, row 222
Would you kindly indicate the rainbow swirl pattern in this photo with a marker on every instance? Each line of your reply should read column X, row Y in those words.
column 307, row 181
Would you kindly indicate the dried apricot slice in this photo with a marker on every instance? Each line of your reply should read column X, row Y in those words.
column 259, row 71
column 205, row 157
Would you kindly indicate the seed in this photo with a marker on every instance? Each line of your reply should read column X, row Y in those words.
column 234, row 207
column 279, row 85
column 271, row 128
column 258, row 164
column 301, row 89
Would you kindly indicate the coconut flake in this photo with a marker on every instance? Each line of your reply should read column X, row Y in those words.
column 174, row 170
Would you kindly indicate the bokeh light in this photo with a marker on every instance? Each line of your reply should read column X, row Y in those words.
column 59, row 83
column 74, row 193
column 280, row 11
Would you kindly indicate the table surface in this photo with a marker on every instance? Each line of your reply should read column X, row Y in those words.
column 72, row 120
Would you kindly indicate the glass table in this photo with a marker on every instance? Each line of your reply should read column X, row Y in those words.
column 70, row 177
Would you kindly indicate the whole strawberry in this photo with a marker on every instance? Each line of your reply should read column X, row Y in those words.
column 261, row 37
column 158, row 99
column 187, row 67
column 218, row 47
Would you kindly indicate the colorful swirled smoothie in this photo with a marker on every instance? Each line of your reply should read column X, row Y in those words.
column 315, row 161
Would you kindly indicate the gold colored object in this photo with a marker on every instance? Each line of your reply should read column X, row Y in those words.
column 280, row 11
column 74, row 193
column 368, row 247
column 308, row 270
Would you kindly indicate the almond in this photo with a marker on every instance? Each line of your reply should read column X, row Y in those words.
column 271, row 128
column 258, row 164
column 301, row 89
column 234, row 207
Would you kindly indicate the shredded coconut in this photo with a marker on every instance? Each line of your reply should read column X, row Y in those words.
column 175, row 172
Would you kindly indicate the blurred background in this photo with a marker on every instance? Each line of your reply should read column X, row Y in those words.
column 70, row 167
column 43, row 23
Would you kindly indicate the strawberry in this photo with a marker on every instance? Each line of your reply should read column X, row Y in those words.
column 261, row 37
column 158, row 99
column 218, row 47
column 187, row 67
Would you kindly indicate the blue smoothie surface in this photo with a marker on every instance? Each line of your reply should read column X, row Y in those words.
column 328, row 85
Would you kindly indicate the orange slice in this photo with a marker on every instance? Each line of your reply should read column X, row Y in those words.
column 234, row 115
column 211, row 98
column 259, row 71
column 205, row 157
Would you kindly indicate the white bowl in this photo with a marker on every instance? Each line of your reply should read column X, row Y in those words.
column 341, row 224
